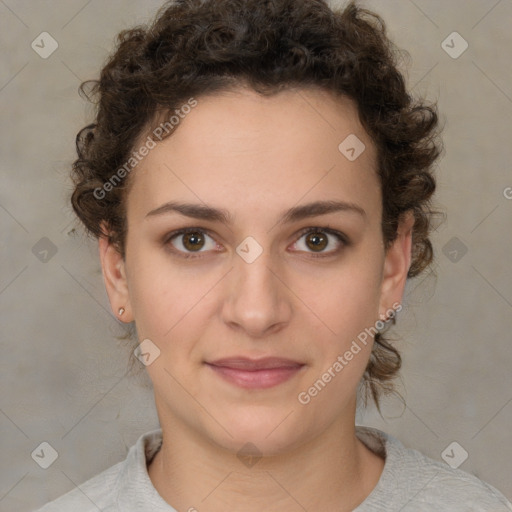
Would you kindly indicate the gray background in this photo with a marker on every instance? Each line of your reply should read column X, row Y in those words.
column 62, row 370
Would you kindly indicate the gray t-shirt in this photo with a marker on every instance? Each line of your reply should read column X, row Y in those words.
column 410, row 482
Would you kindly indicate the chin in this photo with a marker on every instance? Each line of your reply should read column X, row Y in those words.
column 271, row 432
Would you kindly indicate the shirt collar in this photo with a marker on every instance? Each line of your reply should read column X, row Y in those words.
column 135, row 492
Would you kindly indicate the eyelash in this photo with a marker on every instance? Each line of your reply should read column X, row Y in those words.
column 340, row 236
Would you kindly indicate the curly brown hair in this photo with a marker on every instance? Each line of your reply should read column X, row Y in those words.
column 197, row 47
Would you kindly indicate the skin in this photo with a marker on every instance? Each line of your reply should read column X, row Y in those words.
column 257, row 157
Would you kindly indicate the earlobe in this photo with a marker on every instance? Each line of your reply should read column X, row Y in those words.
column 114, row 277
column 396, row 265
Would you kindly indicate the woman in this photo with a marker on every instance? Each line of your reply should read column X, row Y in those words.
column 260, row 183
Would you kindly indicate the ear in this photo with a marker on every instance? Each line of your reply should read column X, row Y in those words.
column 114, row 277
column 396, row 265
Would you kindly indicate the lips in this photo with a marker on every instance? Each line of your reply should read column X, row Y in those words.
column 255, row 373
column 267, row 363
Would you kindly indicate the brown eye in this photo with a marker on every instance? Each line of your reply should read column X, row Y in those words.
column 193, row 241
column 185, row 242
column 317, row 241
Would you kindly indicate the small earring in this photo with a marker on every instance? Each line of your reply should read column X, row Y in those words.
column 121, row 311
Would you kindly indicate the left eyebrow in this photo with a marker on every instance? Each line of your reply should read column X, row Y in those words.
column 203, row 212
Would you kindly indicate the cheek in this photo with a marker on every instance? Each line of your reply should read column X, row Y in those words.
column 168, row 300
column 153, row 288
column 357, row 302
column 350, row 310
column 345, row 300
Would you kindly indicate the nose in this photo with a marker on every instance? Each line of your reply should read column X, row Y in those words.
column 257, row 301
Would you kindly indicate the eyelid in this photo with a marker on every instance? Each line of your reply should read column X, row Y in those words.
column 342, row 239
column 183, row 231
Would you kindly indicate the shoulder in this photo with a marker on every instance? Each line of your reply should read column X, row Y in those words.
column 411, row 481
column 93, row 495
column 115, row 488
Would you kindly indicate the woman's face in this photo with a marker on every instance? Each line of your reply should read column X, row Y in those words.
column 257, row 283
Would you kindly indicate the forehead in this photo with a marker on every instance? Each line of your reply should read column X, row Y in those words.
column 239, row 148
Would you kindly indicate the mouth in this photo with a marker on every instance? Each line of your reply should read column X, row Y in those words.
column 255, row 373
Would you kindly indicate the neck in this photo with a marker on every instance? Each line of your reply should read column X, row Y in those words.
column 334, row 471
